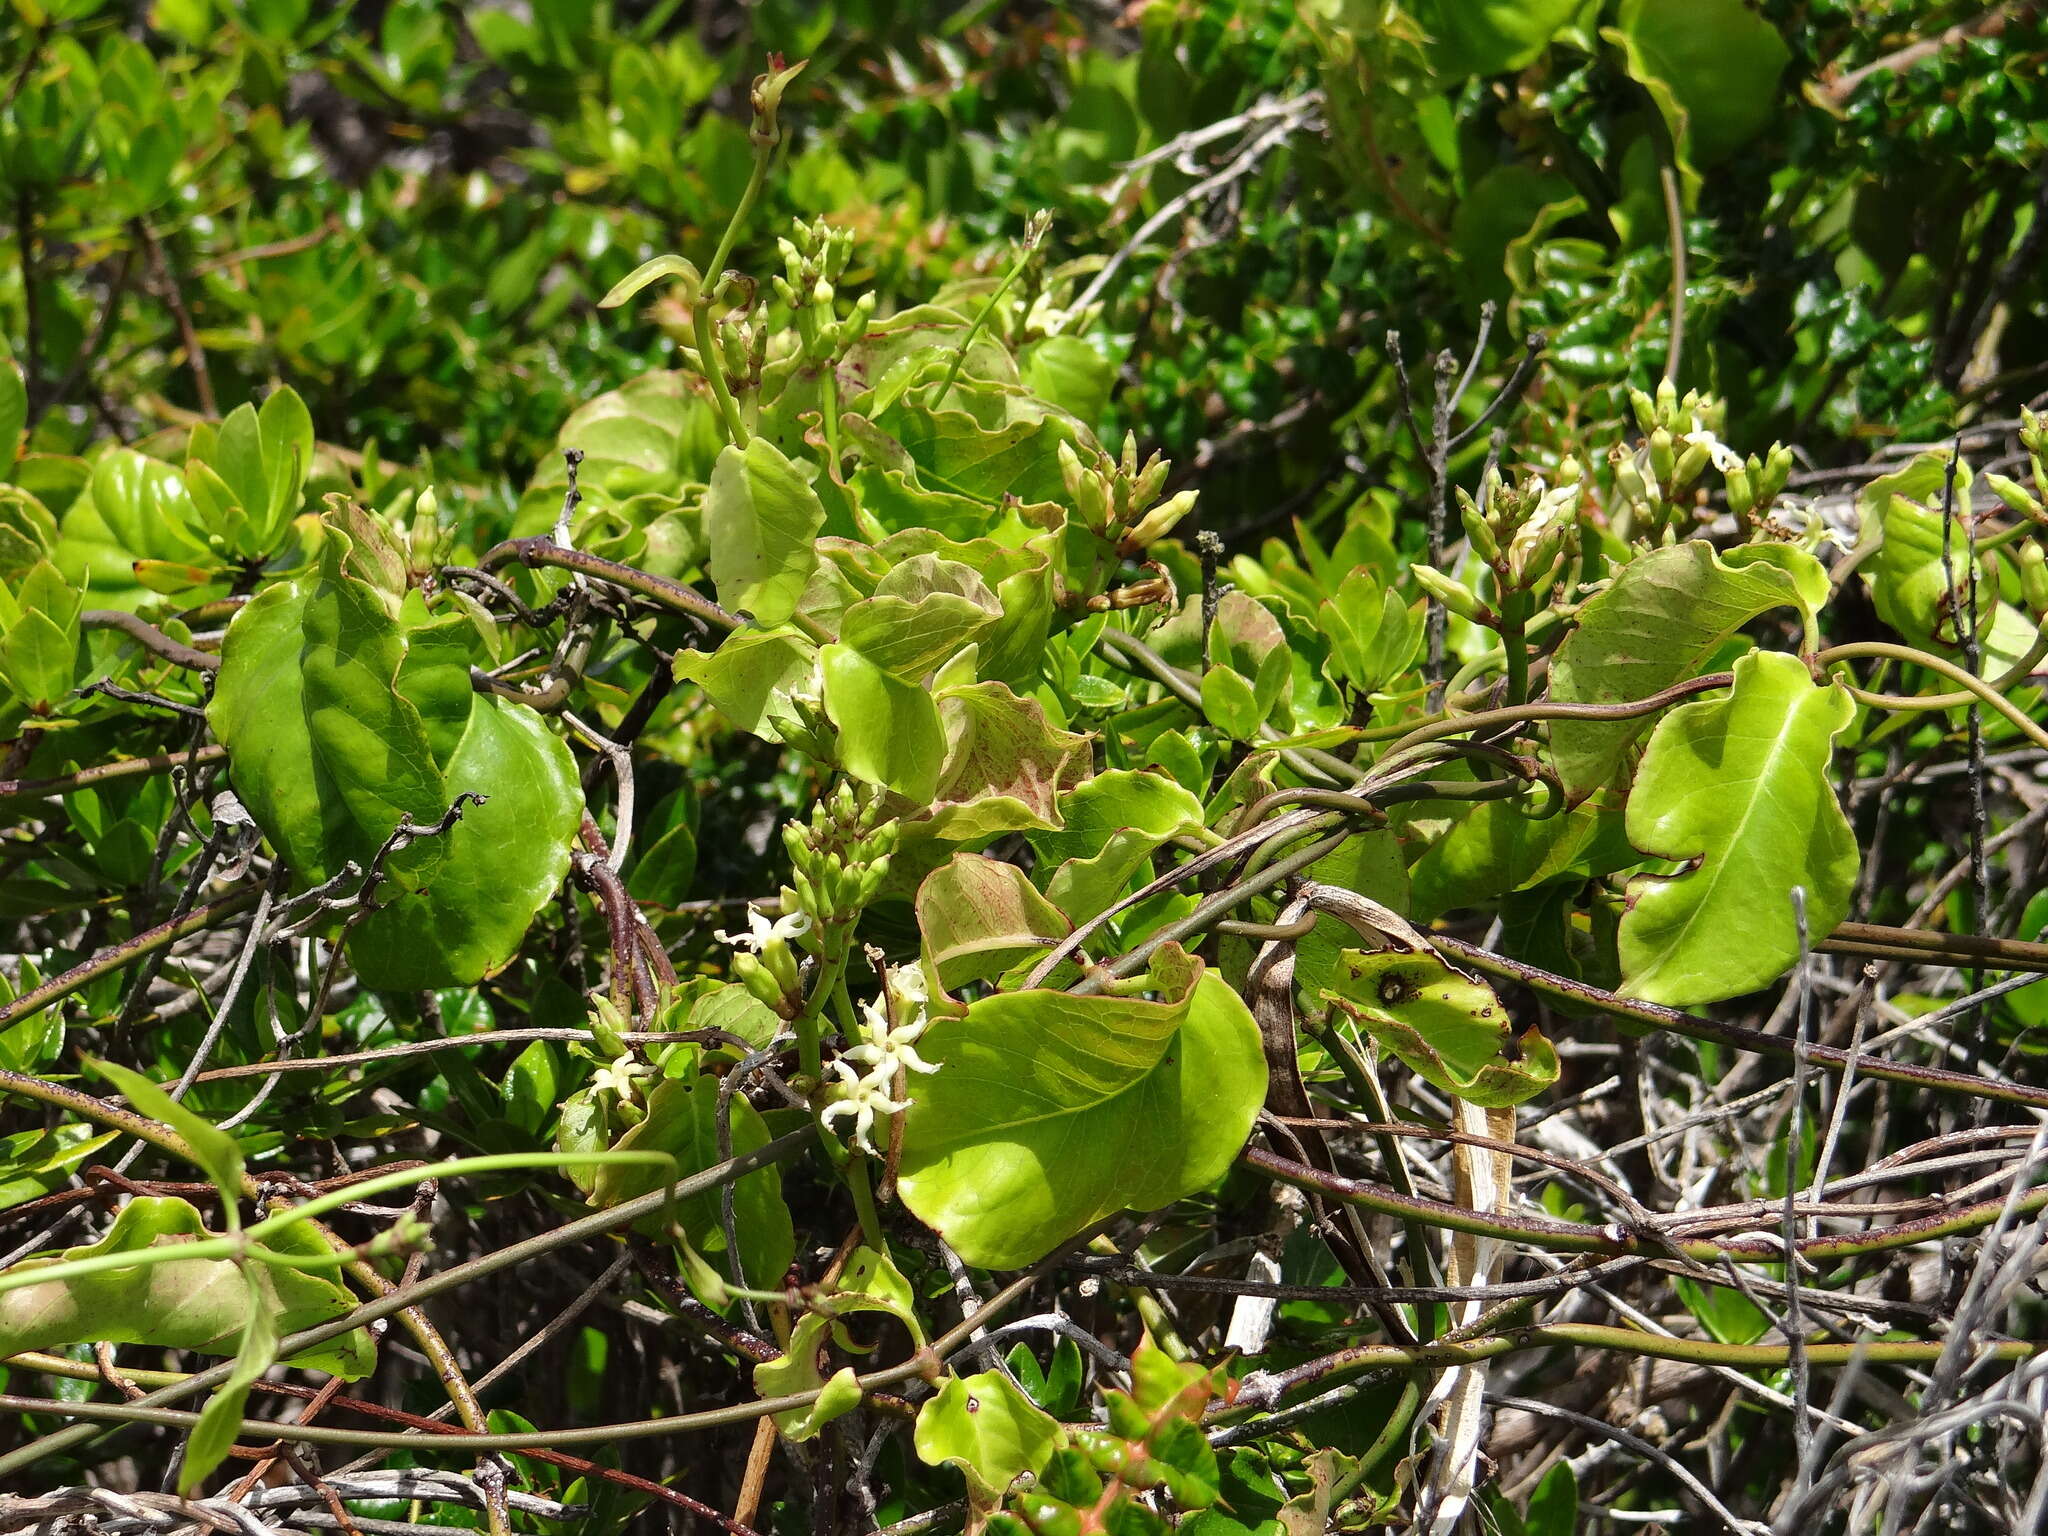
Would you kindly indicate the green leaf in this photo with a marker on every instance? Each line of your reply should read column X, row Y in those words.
column 870, row 1282
column 1664, row 614
column 221, row 1419
column 216, row 1152
column 760, row 516
column 889, row 731
column 1496, row 847
column 1490, row 37
column 328, row 754
column 1072, row 374
column 752, row 674
column 986, row 442
column 988, row 1429
column 1005, row 763
column 979, row 917
column 13, row 410
column 922, row 612
column 1230, row 704
column 1723, row 1311
column 796, row 1370
column 1737, row 786
column 653, row 272
column 1450, row 1029
column 42, row 649
column 1113, row 822
column 1554, row 1505
column 197, row 1304
column 682, row 1120
column 1711, row 66
column 501, row 863
column 1050, row 1112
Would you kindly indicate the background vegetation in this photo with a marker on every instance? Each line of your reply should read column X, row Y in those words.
column 1166, row 474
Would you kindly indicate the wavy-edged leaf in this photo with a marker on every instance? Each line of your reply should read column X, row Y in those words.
column 1737, row 787
column 197, row 1304
column 760, row 515
column 1050, row 1112
column 980, row 916
column 1448, row 1027
column 1659, row 620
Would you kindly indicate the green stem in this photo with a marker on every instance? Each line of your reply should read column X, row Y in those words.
column 707, row 354
column 249, row 1243
column 980, row 320
column 1974, row 686
column 1514, row 643
column 864, row 1201
column 1367, row 1357
column 127, row 952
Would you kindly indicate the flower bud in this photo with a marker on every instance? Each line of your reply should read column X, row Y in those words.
column 2015, row 496
column 1157, row 523
column 1485, row 544
column 1663, row 457
column 1741, row 486
column 755, row 977
column 1628, row 477
column 1691, row 464
column 1453, row 594
column 2034, row 577
column 766, row 99
column 1645, row 411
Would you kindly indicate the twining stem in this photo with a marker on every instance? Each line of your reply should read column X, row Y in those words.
column 1697, row 1027
column 707, row 356
column 127, row 952
column 1885, row 650
column 1366, row 1357
column 148, row 1409
column 249, row 1243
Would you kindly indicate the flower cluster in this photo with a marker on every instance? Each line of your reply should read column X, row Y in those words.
column 886, row 1055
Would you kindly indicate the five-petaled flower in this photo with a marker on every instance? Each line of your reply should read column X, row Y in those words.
column 621, row 1076
column 886, row 1051
column 762, row 930
column 863, row 1096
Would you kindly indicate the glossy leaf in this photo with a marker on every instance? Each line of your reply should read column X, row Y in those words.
column 1448, row 1027
column 988, row 1429
column 682, row 1120
column 760, row 516
column 1050, row 1111
column 1737, row 787
column 1113, row 822
column 198, row 1304
column 327, row 754
column 889, row 730
column 1656, row 624
column 1713, row 68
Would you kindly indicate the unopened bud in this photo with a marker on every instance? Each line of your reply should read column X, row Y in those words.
column 1485, row 543
column 1159, row 522
column 2034, row 577
column 1453, row 594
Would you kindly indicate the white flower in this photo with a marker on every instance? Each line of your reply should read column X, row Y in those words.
column 887, row 1046
column 761, row 931
column 1723, row 457
column 621, row 1077
column 863, row 1097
